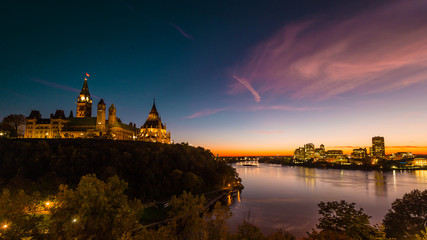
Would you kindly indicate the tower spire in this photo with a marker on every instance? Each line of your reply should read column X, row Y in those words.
column 84, row 101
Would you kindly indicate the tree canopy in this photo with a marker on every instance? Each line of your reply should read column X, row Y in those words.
column 152, row 170
column 343, row 221
column 407, row 216
column 12, row 122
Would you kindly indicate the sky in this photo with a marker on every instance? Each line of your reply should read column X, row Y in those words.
column 236, row 77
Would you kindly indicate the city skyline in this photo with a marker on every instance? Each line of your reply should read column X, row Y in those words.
column 238, row 78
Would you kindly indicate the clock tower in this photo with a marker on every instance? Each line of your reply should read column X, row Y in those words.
column 84, row 101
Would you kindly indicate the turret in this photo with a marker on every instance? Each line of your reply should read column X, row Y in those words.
column 100, row 116
column 84, row 101
column 111, row 115
column 153, row 113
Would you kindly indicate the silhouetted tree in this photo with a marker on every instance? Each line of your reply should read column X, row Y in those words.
column 341, row 218
column 407, row 216
column 14, row 121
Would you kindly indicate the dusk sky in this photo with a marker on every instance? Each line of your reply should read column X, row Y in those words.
column 236, row 77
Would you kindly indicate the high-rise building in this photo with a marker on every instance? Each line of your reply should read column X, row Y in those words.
column 299, row 153
column 319, row 153
column 378, row 148
column 309, row 150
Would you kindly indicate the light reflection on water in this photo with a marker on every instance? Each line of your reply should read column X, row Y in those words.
column 287, row 197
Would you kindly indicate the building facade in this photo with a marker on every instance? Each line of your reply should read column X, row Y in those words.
column 86, row 126
column 378, row 147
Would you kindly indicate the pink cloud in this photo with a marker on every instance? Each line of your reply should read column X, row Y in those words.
column 285, row 108
column 206, row 112
column 247, row 85
column 373, row 51
column 183, row 33
column 267, row 132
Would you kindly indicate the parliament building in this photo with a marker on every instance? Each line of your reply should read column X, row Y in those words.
column 83, row 125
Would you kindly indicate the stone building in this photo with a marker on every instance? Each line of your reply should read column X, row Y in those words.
column 153, row 130
column 99, row 126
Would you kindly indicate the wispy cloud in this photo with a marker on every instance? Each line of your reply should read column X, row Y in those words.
column 266, row 132
column 206, row 112
column 247, row 85
column 287, row 108
column 60, row 86
column 180, row 30
column 373, row 51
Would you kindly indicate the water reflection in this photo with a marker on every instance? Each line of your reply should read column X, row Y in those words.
column 421, row 176
column 380, row 184
column 278, row 196
column 308, row 176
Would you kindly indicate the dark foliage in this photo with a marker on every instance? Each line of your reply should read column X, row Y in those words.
column 407, row 216
column 343, row 219
column 12, row 122
column 153, row 170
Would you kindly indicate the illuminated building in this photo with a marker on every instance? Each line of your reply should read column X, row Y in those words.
column 86, row 126
column 84, row 101
column 378, row 148
column 299, row 153
column 402, row 155
column 319, row 153
column 153, row 130
column 309, row 150
column 419, row 162
column 336, row 155
column 359, row 153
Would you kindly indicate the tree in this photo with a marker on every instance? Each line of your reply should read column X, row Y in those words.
column 407, row 216
column 185, row 211
column 217, row 222
column 13, row 122
column 281, row 234
column 341, row 218
column 248, row 231
column 422, row 235
column 95, row 210
column 19, row 216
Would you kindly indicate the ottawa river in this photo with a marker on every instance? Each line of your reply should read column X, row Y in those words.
column 286, row 197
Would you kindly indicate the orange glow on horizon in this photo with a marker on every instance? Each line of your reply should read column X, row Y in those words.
column 289, row 152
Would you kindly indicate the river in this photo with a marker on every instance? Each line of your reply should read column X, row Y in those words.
column 285, row 197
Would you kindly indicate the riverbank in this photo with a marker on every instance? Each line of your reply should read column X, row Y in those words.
column 384, row 166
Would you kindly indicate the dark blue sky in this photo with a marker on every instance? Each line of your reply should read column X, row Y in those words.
column 186, row 54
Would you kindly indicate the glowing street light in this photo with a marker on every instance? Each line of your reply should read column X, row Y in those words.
column 74, row 220
column 4, row 226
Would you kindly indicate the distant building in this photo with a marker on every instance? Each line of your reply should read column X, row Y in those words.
column 334, row 154
column 299, row 153
column 419, row 162
column 86, row 126
column 319, row 153
column 378, row 147
column 402, row 155
column 359, row 153
column 309, row 150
